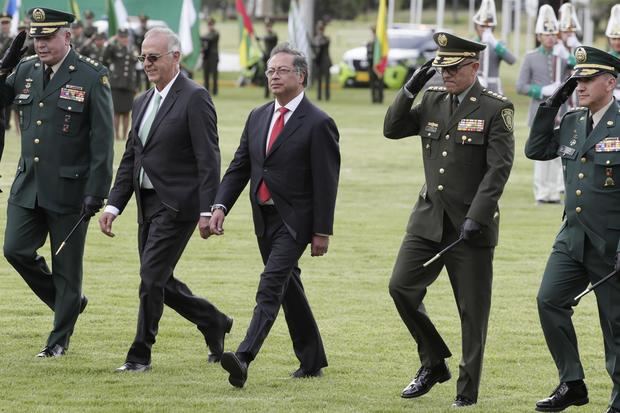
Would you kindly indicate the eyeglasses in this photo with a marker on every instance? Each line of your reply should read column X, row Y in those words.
column 153, row 57
column 451, row 70
column 282, row 71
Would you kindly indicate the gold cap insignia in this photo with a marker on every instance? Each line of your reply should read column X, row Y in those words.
column 581, row 55
column 442, row 40
column 38, row 15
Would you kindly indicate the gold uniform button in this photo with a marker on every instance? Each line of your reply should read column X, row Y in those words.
column 578, row 210
column 583, row 159
column 39, row 123
column 581, row 175
column 444, row 153
column 440, row 188
column 578, row 192
column 607, row 162
column 36, row 159
column 441, row 170
column 447, row 137
column 41, row 104
column 37, row 140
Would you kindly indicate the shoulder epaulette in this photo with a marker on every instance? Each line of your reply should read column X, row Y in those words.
column 495, row 95
column 25, row 59
column 92, row 62
column 437, row 88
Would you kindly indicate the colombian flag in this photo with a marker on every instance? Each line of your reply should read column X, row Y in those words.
column 246, row 34
column 382, row 47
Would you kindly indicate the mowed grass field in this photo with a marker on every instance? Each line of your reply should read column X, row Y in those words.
column 371, row 355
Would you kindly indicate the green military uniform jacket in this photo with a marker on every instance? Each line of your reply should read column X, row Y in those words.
column 66, row 133
column 467, row 157
column 121, row 61
column 591, row 175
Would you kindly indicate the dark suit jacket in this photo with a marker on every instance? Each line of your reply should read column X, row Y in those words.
column 181, row 155
column 467, row 157
column 301, row 170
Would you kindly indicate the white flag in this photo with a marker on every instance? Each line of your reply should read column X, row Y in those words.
column 188, row 19
column 121, row 14
column 298, row 35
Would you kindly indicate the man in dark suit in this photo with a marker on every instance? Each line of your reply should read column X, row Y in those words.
column 587, row 246
column 172, row 163
column 468, row 148
column 65, row 168
column 289, row 152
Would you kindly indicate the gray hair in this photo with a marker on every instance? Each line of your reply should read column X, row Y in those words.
column 174, row 43
column 300, row 63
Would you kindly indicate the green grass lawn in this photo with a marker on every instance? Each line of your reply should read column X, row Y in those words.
column 371, row 355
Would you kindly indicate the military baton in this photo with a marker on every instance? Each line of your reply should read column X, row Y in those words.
column 77, row 224
column 443, row 251
column 593, row 286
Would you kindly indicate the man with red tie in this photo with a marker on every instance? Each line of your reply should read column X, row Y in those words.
column 289, row 152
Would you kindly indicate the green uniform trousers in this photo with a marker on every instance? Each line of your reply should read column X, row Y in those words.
column 470, row 269
column 26, row 232
column 563, row 279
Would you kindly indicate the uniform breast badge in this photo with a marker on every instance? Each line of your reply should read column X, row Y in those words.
column 471, row 125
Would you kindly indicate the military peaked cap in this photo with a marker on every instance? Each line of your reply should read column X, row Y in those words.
column 5, row 18
column 453, row 49
column 45, row 22
column 593, row 62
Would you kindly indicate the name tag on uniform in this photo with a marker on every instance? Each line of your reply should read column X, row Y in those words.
column 22, row 96
column 471, row 125
column 566, row 152
column 608, row 145
column 75, row 93
column 431, row 127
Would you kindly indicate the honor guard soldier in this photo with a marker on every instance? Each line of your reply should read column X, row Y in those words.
column 96, row 48
column 89, row 28
column 485, row 21
column 542, row 71
column 587, row 248
column 467, row 142
column 375, row 82
column 120, row 57
column 322, row 61
column 270, row 40
column 613, row 35
column 65, row 168
column 77, row 36
column 138, row 38
column 210, row 56
column 5, row 42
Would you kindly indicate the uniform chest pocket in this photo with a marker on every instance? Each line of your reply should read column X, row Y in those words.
column 607, row 170
column 430, row 142
column 469, row 147
column 23, row 105
column 70, row 119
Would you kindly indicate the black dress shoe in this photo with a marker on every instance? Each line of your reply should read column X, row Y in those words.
column 565, row 395
column 55, row 351
column 134, row 367
column 462, row 401
column 300, row 373
column 83, row 303
column 236, row 368
column 215, row 339
column 425, row 379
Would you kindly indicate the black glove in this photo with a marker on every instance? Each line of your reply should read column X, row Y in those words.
column 470, row 229
column 13, row 54
column 617, row 266
column 91, row 205
column 562, row 93
column 420, row 77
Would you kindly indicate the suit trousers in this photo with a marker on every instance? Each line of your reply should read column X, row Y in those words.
column 161, row 241
column 563, row 279
column 280, row 285
column 26, row 232
column 470, row 269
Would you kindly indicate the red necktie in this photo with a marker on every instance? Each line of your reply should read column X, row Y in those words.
column 263, row 191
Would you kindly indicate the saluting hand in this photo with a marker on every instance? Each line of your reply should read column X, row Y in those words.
column 319, row 245
column 13, row 54
column 216, row 223
column 420, row 77
column 562, row 93
column 105, row 223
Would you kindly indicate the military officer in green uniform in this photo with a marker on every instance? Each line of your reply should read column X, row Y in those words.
column 5, row 42
column 588, row 245
column 121, row 58
column 65, row 168
column 96, row 48
column 78, row 40
column 467, row 142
